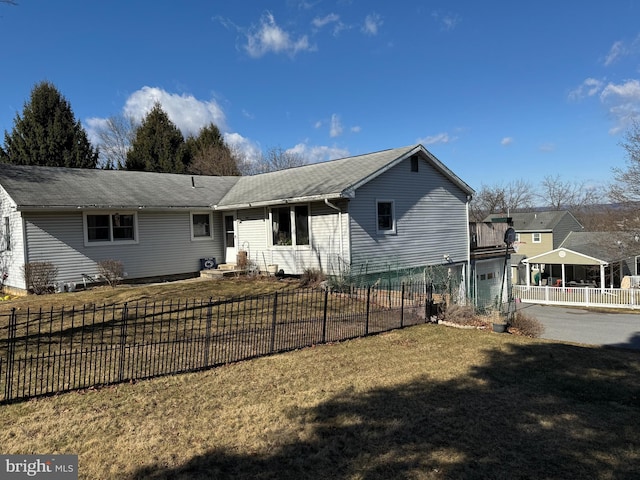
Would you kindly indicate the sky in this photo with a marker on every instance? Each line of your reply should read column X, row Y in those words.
column 499, row 91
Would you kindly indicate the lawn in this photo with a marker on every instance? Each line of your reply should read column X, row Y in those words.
column 196, row 288
column 423, row 402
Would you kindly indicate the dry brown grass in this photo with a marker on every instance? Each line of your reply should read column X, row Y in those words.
column 196, row 288
column 428, row 402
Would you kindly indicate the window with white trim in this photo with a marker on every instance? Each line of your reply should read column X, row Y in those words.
column 6, row 234
column 536, row 237
column 290, row 225
column 110, row 227
column 201, row 226
column 386, row 217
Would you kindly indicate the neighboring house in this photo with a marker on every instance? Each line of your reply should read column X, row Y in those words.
column 596, row 259
column 536, row 233
column 396, row 208
column 489, row 281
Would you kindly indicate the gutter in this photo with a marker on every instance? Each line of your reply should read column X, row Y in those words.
column 284, row 201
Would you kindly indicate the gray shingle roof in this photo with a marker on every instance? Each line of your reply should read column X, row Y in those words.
column 60, row 188
column 602, row 245
column 533, row 221
column 332, row 179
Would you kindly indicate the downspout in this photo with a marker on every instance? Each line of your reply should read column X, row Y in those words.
column 468, row 266
column 331, row 205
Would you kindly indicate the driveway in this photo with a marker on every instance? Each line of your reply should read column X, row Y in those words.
column 583, row 326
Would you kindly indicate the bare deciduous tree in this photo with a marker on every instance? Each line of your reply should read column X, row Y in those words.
column 626, row 186
column 558, row 194
column 116, row 136
column 274, row 159
column 514, row 196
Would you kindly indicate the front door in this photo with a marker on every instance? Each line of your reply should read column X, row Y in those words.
column 230, row 238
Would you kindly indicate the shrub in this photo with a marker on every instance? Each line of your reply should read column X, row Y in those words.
column 461, row 315
column 311, row 277
column 40, row 276
column 526, row 325
column 112, row 271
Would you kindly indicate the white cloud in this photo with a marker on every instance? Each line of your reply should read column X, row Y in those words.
column 372, row 23
column 439, row 138
column 623, row 102
column 547, row 147
column 506, row 141
column 356, row 129
column 187, row 112
column 249, row 150
column 318, row 124
column 616, row 51
column 588, row 88
column 318, row 153
column 335, row 129
column 269, row 37
column 448, row 21
column 320, row 22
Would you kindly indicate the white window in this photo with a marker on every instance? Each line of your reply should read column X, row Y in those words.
column 386, row 217
column 517, row 237
column 201, row 226
column 290, row 225
column 536, row 238
column 6, row 234
column 115, row 227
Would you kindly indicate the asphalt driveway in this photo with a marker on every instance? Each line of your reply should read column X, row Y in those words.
column 576, row 325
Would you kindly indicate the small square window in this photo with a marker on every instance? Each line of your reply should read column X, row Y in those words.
column 201, row 225
column 536, row 237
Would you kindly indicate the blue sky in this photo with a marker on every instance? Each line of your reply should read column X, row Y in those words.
column 497, row 90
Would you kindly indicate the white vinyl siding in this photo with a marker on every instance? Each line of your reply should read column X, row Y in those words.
column 328, row 240
column 12, row 259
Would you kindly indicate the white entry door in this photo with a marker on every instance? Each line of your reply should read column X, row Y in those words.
column 230, row 238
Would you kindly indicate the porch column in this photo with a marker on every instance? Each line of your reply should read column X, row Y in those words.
column 528, row 275
column 564, row 280
column 602, row 277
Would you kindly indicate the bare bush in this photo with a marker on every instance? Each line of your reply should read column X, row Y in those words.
column 526, row 325
column 112, row 271
column 462, row 315
column 40, row 276
column 312, row 277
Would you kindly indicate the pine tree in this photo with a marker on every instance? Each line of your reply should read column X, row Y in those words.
column 158, row 145
column 210, row 155
column 48, row 134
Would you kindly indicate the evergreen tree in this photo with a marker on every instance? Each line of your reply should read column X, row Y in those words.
column 48, row 134
column 210, row 155
column 158, row 145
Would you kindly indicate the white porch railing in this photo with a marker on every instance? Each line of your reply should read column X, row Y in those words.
column 579, row 296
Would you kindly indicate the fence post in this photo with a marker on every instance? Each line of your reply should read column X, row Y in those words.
column 402, row 306
column 207, row 339
column 428, row 306
column 123, row 341
column 274, row 317
column 366, row 323
column 324, row 317
column 11, row 353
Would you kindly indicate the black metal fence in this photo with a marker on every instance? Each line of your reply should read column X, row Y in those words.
column 46, row 352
